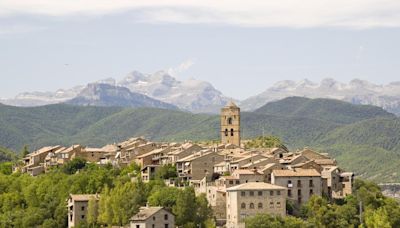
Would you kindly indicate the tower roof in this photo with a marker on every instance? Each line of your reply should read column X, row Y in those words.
column 231, row 104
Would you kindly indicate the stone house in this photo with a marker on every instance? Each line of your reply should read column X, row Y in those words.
column 153, row 217
column 185, row 150
column 301, row 184
column 253, row 198
column 198, row 165
column 34, row 162
column 77, row 208
column 148, row 172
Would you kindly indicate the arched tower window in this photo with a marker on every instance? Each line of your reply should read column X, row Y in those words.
column 226, row 132
column 243, row 205
column 260, row 205
column 230, row 121
column 232, row 132
column 251, row 205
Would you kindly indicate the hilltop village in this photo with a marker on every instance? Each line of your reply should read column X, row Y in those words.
column 238, row 182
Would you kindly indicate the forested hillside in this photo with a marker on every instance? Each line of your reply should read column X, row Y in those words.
column 363, row 139
column 323, row 109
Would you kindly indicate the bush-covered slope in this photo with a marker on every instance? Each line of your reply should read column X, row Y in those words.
column 381, row 132
column 323, row 109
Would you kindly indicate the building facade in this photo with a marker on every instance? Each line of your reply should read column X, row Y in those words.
column 253, row 198
column 77, row 208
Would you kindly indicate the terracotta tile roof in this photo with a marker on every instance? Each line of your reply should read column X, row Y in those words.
column 229, row 178
column 296, row 173
column 247, row 172
column 195, row 156
column 81, row 197
column 145, row 213
column 325, row 161
column 255, row 186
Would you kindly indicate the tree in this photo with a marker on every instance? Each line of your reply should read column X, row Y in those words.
column 92, row 211
column 74, row 165
column 185, row 207
column 25, row 151
column 165, row 197
column 166, row 172
column 204, row 211
column 6, row 168
column 269, row 221
column 265, row 142
column 377, row 218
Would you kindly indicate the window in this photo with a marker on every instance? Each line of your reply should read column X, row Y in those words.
column 226, row 132
column 243, row 193
column 251, row 193
column 311, row 183
column 137, row 226
column 278, row 193
column 237, row 182
column 166, row 225
column 232, row 132
column 251, row 205
column 298, row 183
column 82, row 208
column 153, row 226
column 154, row 218
column 243, row 206
column 259, row 193
column 83, row 216
column 311, row 192
column 166, row 217
column 230, row 120
column 289, row 193
column 278, row 204
column 271, row 193
column 260, row 205
column 271, row 204
column 230, row 182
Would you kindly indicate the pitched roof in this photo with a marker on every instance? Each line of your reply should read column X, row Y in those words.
column 255, row 186
column 196, row 156
column 296, row 173
column 231, row 104
column 325, row 161
column 83, row 197
column 247, row 172
column 145, row 213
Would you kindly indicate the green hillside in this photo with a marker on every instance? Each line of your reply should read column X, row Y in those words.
column 6, row 154
column 380, row 132
column 364, row 139
column 323, row 109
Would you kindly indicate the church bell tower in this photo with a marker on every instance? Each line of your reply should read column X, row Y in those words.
column 230, row 124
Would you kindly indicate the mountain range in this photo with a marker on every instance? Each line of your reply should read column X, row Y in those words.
column 190, row 95
column 363, row 138
column 201, row 97
column 356, row 92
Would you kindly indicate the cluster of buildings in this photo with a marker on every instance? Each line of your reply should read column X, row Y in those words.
column 238, row 182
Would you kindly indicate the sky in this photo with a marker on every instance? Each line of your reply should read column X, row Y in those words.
column 241, row 47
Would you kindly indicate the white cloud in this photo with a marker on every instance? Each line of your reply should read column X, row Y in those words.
column 184, row 66
column 249, row 13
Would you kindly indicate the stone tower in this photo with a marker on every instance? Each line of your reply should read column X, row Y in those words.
column 230, row 124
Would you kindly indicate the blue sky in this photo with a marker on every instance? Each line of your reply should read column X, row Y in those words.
column 240, row 49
